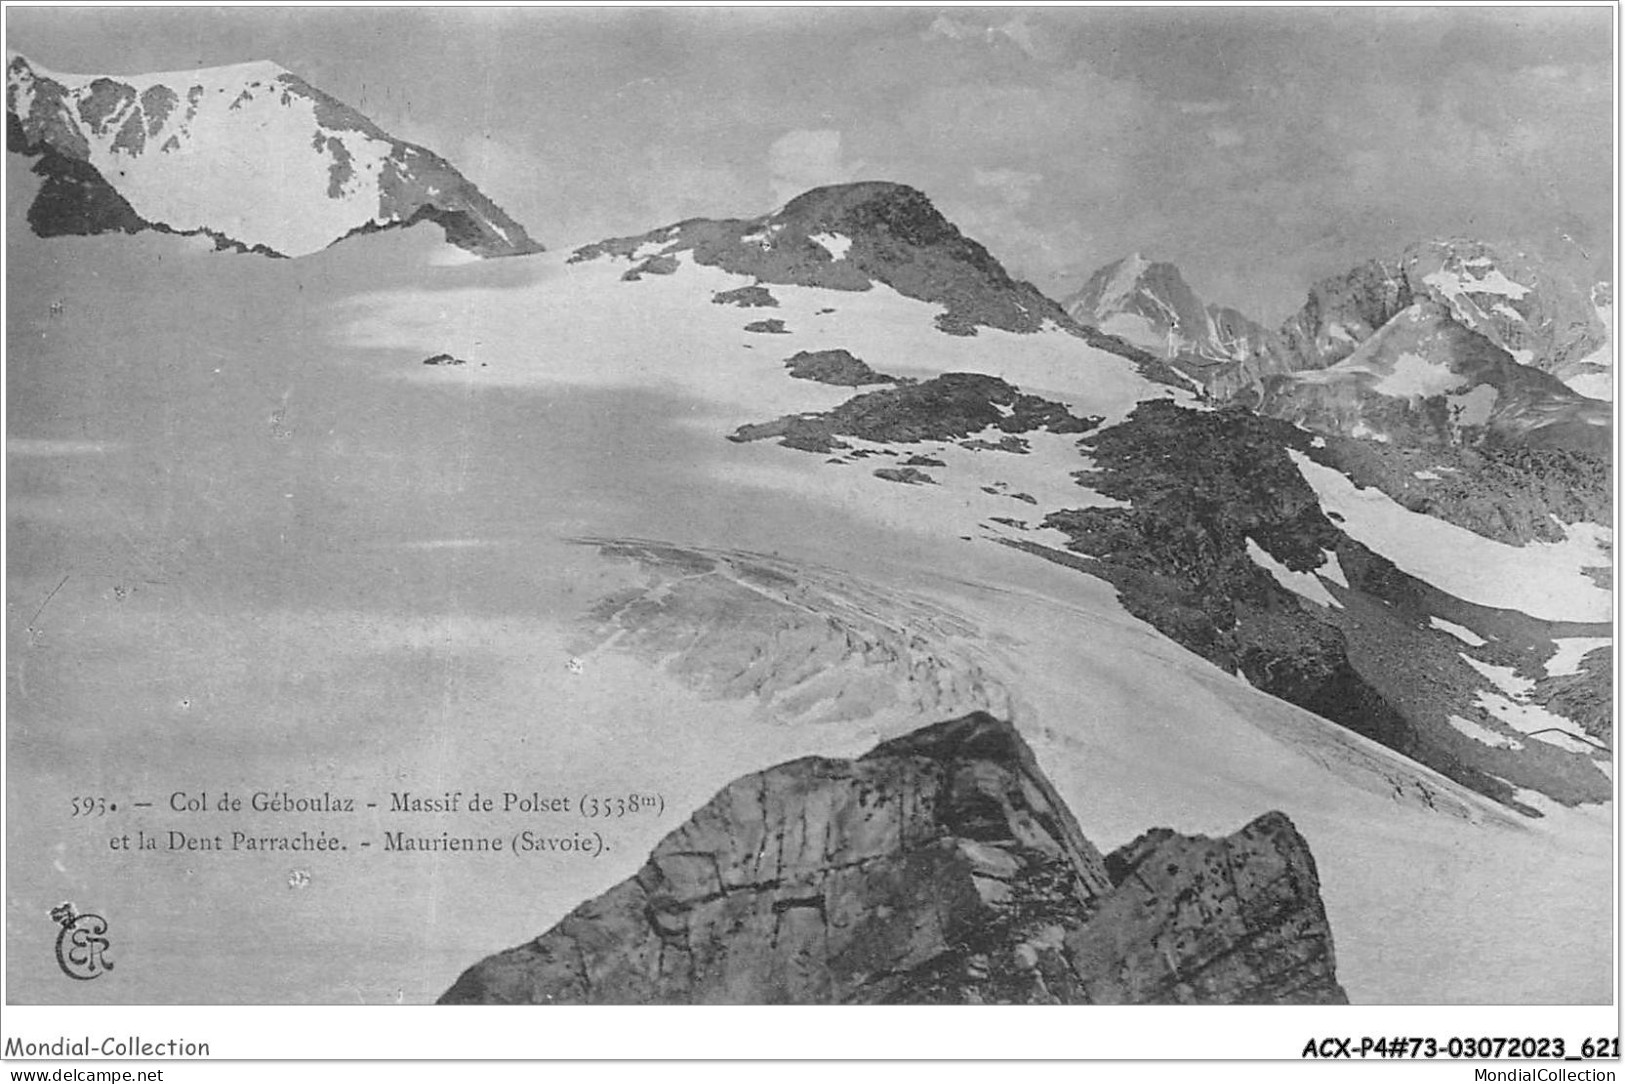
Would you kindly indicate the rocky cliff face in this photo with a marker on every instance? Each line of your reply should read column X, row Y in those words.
column 939, row 868
column 249, row 154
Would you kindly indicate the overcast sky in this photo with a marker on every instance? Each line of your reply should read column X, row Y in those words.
column 1258, row 148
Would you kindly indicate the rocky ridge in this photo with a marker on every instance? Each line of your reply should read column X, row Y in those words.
column 939, row 868
column 1225, row 548
column 837, row 367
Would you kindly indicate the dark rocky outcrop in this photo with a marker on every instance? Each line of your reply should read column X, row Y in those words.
column 907, row 475
column 654, row 265
column 746, row 297
column 836, row 367
column 947, row 407
column 75, row 200
column 940, row 868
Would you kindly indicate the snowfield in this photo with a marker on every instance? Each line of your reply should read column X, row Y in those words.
column 578, row 323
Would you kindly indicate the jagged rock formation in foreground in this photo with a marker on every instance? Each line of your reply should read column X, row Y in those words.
column 939, row 868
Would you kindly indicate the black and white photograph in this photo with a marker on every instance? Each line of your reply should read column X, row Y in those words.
column 819, row 506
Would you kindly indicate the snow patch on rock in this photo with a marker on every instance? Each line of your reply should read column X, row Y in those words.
column 1332, row 569
column 1504, row 678
column 836, row 244
column 1571, row 650
column 1460, row 632
column 1414, row 376
column 1484, row 734
column 1303, row 584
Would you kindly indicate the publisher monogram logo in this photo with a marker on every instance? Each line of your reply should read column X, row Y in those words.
column 81, row 944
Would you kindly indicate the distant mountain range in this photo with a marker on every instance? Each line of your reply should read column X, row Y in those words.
column 250, row 155
column 1524, row 314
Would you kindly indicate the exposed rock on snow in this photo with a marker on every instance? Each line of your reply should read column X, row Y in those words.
column 906, row 475
column 948, row 407
column 746, row 297
column 836, row 367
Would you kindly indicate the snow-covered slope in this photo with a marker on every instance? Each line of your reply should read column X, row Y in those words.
column 249, row 154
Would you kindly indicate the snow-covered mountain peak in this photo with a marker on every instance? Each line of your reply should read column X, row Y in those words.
column 1122, row 278
column 1149, row 303
column 249, row 154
